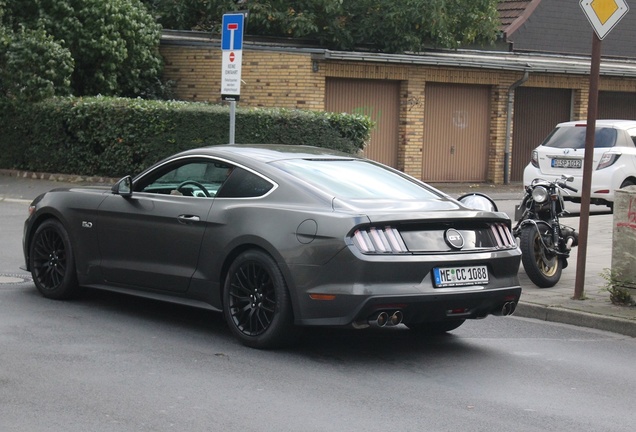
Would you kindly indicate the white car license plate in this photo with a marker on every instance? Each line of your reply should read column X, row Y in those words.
column 459, row 276
column 567, row 163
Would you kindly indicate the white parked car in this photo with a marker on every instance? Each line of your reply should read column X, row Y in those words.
column 563, row 151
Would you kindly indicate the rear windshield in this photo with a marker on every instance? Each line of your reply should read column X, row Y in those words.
column 355, row 179
column 574, row 137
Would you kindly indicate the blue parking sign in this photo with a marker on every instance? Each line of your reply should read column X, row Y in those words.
column 232, row 32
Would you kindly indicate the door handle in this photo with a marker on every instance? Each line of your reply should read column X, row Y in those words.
column 188, row 219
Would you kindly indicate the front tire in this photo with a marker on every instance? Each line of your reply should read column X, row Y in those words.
column 256, row 302
column 543, row 268
column 52, row 261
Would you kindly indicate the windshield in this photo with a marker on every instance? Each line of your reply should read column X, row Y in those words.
column 574, row 137
column 355, row 179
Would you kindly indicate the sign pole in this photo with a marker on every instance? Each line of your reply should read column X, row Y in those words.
column 232, row 121
column 232, row 56
column 603, row 15
column 590, row 131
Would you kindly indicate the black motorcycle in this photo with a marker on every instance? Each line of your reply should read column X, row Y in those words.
column 545, row 243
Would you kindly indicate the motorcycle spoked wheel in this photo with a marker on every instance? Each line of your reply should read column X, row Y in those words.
column 543, row 268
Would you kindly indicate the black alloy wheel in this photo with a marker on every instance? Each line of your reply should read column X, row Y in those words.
column 257, row 306
column 52, row 261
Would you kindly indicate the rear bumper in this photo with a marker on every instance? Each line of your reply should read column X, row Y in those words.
column 351, row 289
column 464, row 304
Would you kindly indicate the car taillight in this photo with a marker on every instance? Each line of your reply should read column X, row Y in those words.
column 608, row 159
column 534, row 160
column 503, row 235
column 379, row 240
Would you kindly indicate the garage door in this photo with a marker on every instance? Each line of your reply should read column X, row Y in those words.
column 456, row 133
column 536, row 112
column 615, row 105
column 380, row 100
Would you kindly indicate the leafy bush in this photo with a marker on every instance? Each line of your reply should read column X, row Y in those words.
column 116, row 136
column 114, row 44
column 33, row 66
column 618, row 287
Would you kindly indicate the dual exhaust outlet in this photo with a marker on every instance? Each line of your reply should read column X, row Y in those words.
column 384, row 318
column 393, row 318
column 508, row 308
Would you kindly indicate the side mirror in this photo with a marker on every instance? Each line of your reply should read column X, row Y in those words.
column 478, row 201
column 123, row 187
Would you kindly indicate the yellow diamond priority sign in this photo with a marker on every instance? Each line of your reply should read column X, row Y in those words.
column 604, row 14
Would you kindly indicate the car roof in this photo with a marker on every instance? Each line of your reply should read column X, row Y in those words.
column 269, row 152
column 612, row 123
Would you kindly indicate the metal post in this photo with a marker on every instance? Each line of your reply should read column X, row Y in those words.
column 232, row 120
column 579, row 285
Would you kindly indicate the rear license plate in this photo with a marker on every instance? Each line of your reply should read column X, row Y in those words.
column 567, row 163
column 459, row 276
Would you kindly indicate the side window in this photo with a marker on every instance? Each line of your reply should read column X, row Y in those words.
column 244, row 184
column 198, row 178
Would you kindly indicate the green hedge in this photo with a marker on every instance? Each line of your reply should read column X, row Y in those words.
column 115, row 136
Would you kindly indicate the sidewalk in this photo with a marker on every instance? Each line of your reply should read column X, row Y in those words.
column 550, row 304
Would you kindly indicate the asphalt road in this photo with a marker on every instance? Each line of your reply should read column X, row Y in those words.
column 108, row 362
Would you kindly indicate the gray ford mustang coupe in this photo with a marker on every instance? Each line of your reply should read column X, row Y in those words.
column 277, row 238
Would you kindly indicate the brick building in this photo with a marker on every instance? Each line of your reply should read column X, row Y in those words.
column 442, row 116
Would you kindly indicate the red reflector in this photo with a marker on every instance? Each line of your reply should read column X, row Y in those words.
column 322, row 296
column 510, row 298
column 602, row 191
column 458, row 311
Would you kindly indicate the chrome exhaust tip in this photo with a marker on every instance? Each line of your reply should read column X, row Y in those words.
column 379, row 320
column 508, row 308
column 396, row 318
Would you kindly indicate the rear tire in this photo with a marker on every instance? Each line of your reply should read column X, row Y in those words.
column 544, row 270
column 52, row 261
column 256, row 302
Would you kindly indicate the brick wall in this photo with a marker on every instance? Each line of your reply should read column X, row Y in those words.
column 278, row 78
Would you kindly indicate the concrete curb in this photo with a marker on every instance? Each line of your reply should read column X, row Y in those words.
column 577, row 318
column 15, row 200
column 61, row 178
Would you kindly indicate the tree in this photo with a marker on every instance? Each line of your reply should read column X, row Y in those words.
column 33, row 66
column 113, row 43
column 412, row 25
column 382, row 25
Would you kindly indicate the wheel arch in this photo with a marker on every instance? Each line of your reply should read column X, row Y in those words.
column 280, row 262
column 38, row 220
column 630, row 179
